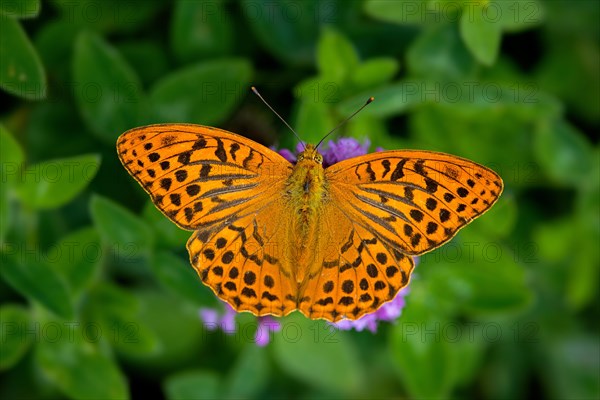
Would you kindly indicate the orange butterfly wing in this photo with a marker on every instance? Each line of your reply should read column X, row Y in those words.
column 381, row 208
column 228, row 189
column 414, row 200
column 355, row 271
column 377, row 210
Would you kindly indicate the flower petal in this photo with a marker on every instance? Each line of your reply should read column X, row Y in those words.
column 288, row 155
column 228, row 324
column 343, row 149
column 210, row 318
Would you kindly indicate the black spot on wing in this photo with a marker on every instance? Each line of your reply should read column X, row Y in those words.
column 398, row 170
column 233, row 149
column 386, row 168
column 371, row 173
column 220, row 151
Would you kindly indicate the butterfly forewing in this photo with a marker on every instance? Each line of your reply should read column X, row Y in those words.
column 229, row 190
column 199, row 175
column 413, row 200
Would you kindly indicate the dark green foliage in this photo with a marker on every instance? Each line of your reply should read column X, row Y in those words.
column 98, row 297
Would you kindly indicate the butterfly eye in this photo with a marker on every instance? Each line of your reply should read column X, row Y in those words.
column 319, row 158
column 300, row 157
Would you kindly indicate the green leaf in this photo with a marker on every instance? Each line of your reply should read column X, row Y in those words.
column 336, row 57
column 119, row 227
column 584, row 255
column 181, row 279
column 54, row 42
column 319, row 355
column 14, row 337
column 292, row 43
column 404, row 12
column 21, row 72
column 365, row 127
column 12, row 158
column 20, row 8
column 477, row 129
column 50, row 184
column 109, row 15
column 500, row 220
column 201, row 30
column 110, row 95
column 556, row 239
column 570, row 367
column 563, row 152
column 481, row 30
column 375, row 72
column 191, row 385
column 168, row 235
column 53, row 131
column 390, row 100
column 319, row 89
column 147, row 58
column 37, row 281
column 77, row 258
column 76, row 365
column 482, row 275
column 582, row 284
column 468, row 346
column 117, row 312
column 249, row 375
column 440, row 54
column 582, row 59
column 11, row 154
column 491, row 288
column 504, row 371
column 205, row 93
column 313, row 121
column 519, row 15
column 423, row 357
column 177, row 328
column 6, row 219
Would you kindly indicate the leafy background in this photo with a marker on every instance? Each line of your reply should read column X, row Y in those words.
column 98, row 298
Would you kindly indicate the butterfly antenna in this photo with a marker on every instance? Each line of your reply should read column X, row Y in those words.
column 280, row 117
column 346, row 120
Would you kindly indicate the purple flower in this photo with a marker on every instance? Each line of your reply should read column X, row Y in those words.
column 388, row 312
column 210, row 318
column 343, row 149
column 287, row 154
column 265, row 325
column 336, row 151
column 213, row 320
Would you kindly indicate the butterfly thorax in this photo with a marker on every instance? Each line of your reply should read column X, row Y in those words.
column 306, row 188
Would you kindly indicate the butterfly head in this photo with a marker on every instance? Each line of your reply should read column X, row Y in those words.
column 310, row 154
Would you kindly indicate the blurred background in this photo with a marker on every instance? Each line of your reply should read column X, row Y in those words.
column 98, row 299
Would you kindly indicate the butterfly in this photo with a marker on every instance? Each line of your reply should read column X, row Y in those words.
column 271, row 237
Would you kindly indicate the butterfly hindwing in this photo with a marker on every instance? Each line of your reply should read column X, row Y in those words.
column 200, row 175
column 355, row 271
column 413, row 200
column 244, row 261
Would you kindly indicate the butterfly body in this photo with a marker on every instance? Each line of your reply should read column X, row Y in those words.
column 305, row 194
column 271, row 237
